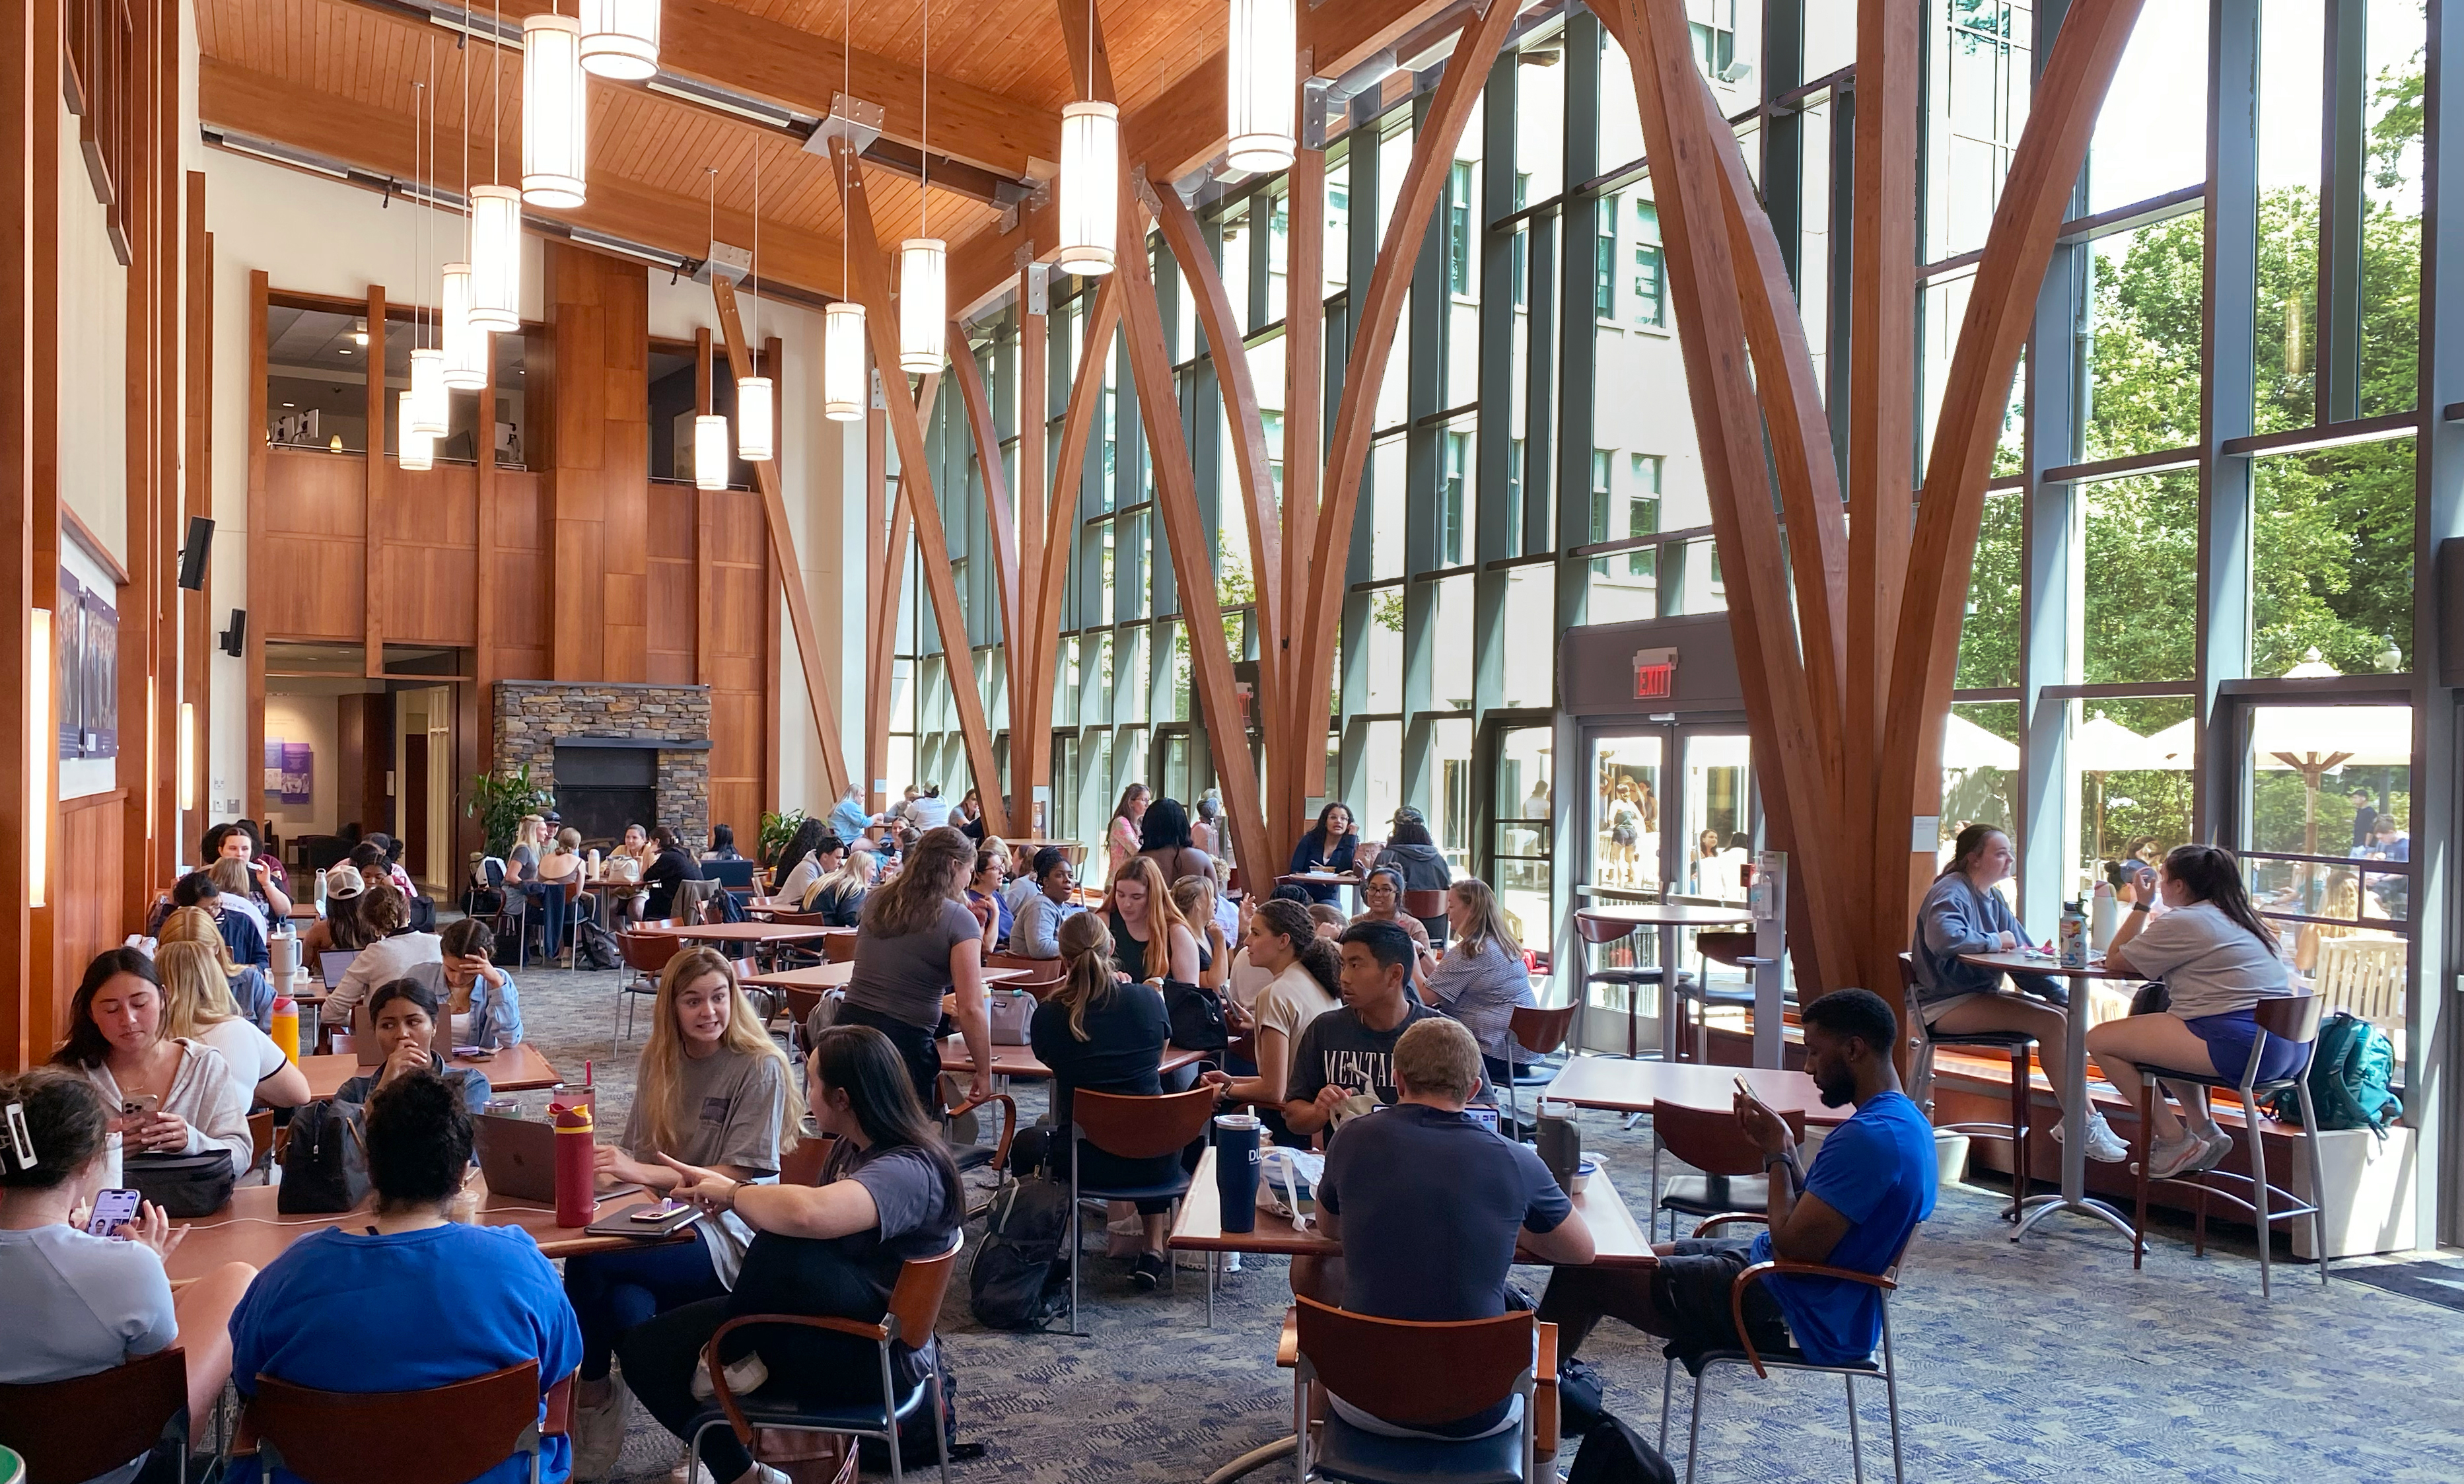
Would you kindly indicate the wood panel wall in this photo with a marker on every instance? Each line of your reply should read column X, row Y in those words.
column 597, row 458
column 309, row 561
column 427, row 530
column 85, row 891
column 674, row 631
column 744, row 622
column 517, row 578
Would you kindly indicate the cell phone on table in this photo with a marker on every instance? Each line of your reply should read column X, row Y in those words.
column 474, row 1052
column 657, row 1210
column 113, row 1209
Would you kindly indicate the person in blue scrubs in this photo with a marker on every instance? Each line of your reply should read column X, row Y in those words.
column 409, row 1299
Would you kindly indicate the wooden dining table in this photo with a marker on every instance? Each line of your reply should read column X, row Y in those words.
column 1614, row 1084
column 1018, row 1061
column 741, row 935
column 519, row 1067
column 251, row 1230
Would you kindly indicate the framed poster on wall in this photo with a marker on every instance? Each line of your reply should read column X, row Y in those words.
column 86, row 646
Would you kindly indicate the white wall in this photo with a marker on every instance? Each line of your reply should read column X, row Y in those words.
column 295, row 717
column 94, row 357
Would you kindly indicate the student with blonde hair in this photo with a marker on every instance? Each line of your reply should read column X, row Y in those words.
column 248, row 988
column 197, row 1004
column 1194, row 897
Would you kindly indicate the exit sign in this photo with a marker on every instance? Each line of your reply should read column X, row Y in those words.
column 1654, row 674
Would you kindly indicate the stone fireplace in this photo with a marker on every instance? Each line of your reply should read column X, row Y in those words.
column 629, row 753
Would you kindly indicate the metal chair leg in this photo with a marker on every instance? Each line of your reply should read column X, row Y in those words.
column 1667, row 1383
column 1855, row 1446
column 1077, row 1238
column 940, row 1424
column 1694, row 1428
column 2258, row 1193
column 2146, row 1155
column 1891, row 1400
column 2318, row 1178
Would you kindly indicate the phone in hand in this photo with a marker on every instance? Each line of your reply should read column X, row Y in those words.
column 113, row 1209
column 139, row 1106
column 657, row 1210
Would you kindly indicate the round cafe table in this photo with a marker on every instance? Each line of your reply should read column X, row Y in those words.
column 2074, row 1196
column 1669, row 917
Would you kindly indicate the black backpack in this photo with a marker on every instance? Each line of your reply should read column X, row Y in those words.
column 326, row 1161
column 1614, row 1453
column 185, row 1185
column 1017, row 1280
column 594, row 946
column 1196, row 1017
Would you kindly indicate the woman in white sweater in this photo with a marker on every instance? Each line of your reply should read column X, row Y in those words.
column 393, row 953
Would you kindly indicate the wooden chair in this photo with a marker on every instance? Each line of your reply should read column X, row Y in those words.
column 2291, row 1018
column 1710, row 1140
column 93, row 1424
column 464, row 1429
column 1597, row 933
column 1427, row 905
column 1731, row 949
column 1540, row 1031
column 645, row 954
column 1764, row 1362
column 914, row 1305
column 1416, row 1374
column 1043, row 975
column 838, row 947
column 1131, row 1127
column 2019, row 1046
column 970, row 1155
column 260, row 1139
column 2364, row 976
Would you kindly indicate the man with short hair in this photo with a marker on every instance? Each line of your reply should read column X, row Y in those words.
column 1870, row 1185
column 1348, row 1053
column 1441, row 1202
column 2365, row 818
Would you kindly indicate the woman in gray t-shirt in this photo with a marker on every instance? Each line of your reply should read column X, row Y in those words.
column 918, row 942
column 2217, row 960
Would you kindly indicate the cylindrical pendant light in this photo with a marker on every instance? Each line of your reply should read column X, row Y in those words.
column 710, row 451
column 496, row 257
column 1258, row 85
column 620, row 38
column 416, row 449
column 1090, row 187
column 427, row 405
column 923, row 304
column 466, row 346
column 843, row 380
column 753, row 420
column 556, row 122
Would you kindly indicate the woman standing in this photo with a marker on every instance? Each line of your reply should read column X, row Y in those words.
column 1481, row 978
column 2217, row 961
column 197, row 1006
column 1149, row 939
column 714, row 1090
column 174, row 1096
column 1326, row 847
column 1123, row 837
column 1961, row 914
column 1164, row 838
column 920, row 942
column 887, row 1195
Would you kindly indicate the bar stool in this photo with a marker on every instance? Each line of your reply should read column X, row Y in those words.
column 1598, row 932
column 2019, row 1046
column 2286, row 1018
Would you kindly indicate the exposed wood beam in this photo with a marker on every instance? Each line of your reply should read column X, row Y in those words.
column 783, row 555
column 886, row 572
column 29, row 85
column 868, row 284
column 1030, row 746
column 252, row 775
column 1003, row 521
column 1304, row 448
column 1344, row 34
column 377, row 139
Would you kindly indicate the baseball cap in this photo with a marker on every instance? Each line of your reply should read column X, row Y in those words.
column 1408, row 815
column 343, row 880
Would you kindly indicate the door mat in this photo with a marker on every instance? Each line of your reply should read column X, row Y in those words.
column 2435, row 1280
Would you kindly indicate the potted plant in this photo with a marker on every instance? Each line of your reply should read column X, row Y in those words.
column 776, row 830
column 499, row 801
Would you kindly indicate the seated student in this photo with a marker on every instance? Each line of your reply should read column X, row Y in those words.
column 408, row 1022
column 340, row 930
column 1035, row 933
column 722, row 844
column 248, row 988
column 1193, row 899
column 714, row 1090
column 1026, row 877
column 1412, row 854
column 1098, row 1032
column 847, row 817
column 1164, row 838
column 560, row 866
column 530, row 844
column 1481, row 978
column 197, row 1006
column 887, row 1195
column 173, row 1095
column 407, row 1298
column 671, row 865
column 985, row 896
column 1442, row 1201
column 74, row 1304
column 232, row 879
column 1382, row 901
column 1150, row 941
column 482, row 1005
column 238, row 929
column 372, row 856
column 1280, row 935
column 838, row 897
column 1348, row 1053
column 920, row 944
column 800, row 863
column 1326, row 847
column 393, row 951
column 1870, row 1183
column 1331, row 921
column 264, row 879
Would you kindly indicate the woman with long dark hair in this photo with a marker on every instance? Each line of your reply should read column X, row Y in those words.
column 918, row 942
column 1326, row 846
column 1164, row 838
column 2217, row 960
column 887, row 1195
column 798, row 865
column 1124, row 837
column 167, row 1095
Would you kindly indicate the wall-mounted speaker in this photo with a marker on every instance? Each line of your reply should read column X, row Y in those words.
column 236, row 637
column 193, row 554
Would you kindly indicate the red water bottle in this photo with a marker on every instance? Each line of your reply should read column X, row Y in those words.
column 577, row 1182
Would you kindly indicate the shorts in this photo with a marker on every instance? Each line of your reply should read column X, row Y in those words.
column 1691, row 1287
column 2229, row 1037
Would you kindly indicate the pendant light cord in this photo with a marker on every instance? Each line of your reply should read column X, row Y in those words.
column 496, row 109
column 754, row 279
column 924, row 155
column 846, row 94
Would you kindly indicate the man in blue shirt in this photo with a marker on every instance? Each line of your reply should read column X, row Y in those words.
column 1870, row 1185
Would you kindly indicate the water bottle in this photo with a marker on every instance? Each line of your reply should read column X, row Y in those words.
column 1236, row 1169
column 286, row 1028
column 2074, row 936
column 2102, row 910
column 577, row 1182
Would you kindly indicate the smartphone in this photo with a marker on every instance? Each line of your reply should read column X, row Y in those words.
column 113, row 1209
column 142, row 1105
column 474, row 1052
column 1746, row 1092
column 659, row 1211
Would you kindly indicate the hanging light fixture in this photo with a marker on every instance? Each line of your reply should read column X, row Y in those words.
column 620, row 38
column 923, row 259
column 710, row 451
column 844, row 392
column 1090, row 176
column 418, row 448
column 496, row 226
column 556, row 116
column 466, row 345
column 426, row 408
column 1258, row 85
column 753, row 423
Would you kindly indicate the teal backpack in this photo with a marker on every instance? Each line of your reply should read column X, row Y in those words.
column 2349, row 1079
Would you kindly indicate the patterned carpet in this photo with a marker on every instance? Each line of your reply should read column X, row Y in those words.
column 2047, row 1360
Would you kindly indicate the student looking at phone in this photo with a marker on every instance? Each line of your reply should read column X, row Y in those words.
column 197, row 1004
column 481, row 1004
column 713, row 1092
column 1348, row 1054
column 406, row 1016
column 74, row 1302
column 888, row 1194
column 1280, row 935
column 407, row 1298
column 174, row 1096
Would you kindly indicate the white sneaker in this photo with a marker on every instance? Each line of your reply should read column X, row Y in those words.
column 2220, row 1146
column 598, row 1431
column 2171, row 1156
column 2103, row 1144
column 746, row 1374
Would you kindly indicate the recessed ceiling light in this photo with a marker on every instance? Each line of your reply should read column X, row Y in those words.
column 290, row 404
column 341, row 351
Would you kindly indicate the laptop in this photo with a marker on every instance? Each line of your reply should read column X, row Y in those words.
column 332, row 966
column 517, row 1156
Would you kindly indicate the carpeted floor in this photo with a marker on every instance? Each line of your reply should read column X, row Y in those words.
column 2047, row 1360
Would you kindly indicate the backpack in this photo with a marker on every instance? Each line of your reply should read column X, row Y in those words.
column 2349, row 1079
column 1196, row 1017
column 1612, row 1453
column 594, row 946
column 483, row 891
column 185, row 1186
column 1017, row 1280
column 326, row 1161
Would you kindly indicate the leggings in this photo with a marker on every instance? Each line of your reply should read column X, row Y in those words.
column 613, row 1292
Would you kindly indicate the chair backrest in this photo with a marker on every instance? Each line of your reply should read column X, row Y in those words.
column 923, row 1282
column 1597, row 930
column 801, row 1002
column 1541, row 1031
column 838, row 947
column 1411, row 1372
column 1725, row 946
column 92, row 1425
column 1141, row 1128
column 803, row 1164
column 1424, row 904
column 463, row 1428
column 649, row 952
column 1709, row 1138
column 260, row 1134
column 1043, row 975
column 1912, row 1026
column 2363, row 975
column 736, row 875
column 801, row 919
column 2291, row 1017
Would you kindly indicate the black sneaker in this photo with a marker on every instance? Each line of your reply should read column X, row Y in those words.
column 1147, row 1271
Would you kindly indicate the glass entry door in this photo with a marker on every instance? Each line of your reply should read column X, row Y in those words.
column 1715, row 837
column 1522, row 839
